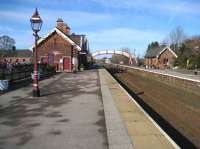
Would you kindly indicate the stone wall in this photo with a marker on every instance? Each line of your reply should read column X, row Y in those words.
column 178, row 82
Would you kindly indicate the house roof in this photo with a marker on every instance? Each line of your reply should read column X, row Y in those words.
column 77, row 39
column 67, row 26
column 19, row 53
column 24, row 53
column 169, row 50
column 153, row 53
column 67, row 38
column 81, row 40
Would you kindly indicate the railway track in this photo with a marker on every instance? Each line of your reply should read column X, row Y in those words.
column 165, row 105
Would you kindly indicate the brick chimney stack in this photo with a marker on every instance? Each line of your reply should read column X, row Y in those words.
column 66, row 29
column 60, row 24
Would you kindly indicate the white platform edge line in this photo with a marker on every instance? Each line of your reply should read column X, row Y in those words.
column 146, row 114
column 193, row 80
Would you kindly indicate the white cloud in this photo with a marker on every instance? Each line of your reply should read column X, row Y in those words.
column 157, row 6
column 4, row 29
column 171, row 9
column 15, row 16
column 114, row 37
column 123, row 37
column 75, row 18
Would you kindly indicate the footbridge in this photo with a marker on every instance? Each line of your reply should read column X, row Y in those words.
column 119, row 52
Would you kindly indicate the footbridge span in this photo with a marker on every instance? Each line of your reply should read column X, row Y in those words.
column 118, row 52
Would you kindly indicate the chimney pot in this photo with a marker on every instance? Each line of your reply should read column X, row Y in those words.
column 66, row 29
column 60, row 24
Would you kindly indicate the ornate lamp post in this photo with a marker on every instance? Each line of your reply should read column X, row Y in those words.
column 36, row 24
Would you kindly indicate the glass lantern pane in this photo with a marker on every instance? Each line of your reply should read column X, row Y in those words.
column 36, row 26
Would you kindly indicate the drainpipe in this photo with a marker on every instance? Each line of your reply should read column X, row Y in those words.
column 72, row 50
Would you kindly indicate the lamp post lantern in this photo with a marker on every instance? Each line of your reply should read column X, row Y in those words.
column 36, row 24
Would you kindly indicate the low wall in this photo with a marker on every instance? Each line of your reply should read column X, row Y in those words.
column 175, row 81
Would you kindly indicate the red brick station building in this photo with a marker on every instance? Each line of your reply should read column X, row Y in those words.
column 66, row 51
column 161, row 58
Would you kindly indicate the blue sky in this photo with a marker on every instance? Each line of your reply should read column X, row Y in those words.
column 108, row 24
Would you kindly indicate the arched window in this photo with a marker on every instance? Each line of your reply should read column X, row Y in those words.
column 50, row 58
column 165, row 60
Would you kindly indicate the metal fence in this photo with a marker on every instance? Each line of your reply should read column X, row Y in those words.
column 23, row 71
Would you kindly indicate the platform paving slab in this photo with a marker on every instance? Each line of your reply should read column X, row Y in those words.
column 68, row 115
column 118, row 137
column 141, row 129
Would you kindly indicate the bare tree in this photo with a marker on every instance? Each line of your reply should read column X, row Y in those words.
column 120, row 58
column 125, row 49
column 6, row 43
column 175, row 38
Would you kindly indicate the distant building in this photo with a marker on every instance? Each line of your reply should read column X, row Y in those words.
column 17, row 56
column 162, row 57
column 62, row 49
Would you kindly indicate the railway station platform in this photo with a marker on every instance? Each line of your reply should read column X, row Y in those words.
column 143, row 132
column 86, row 110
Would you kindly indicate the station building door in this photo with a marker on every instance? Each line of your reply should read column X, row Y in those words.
column 66, row 64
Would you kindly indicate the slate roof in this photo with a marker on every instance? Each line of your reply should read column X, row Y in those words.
column 153, row 53
column 24, row 53
column 19, row 53
column 80, row 40
column 76, row 39
column 67, row 26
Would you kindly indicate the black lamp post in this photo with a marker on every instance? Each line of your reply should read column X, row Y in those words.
column 36, row 24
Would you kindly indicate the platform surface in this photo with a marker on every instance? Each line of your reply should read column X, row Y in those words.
column 69, row 115
column 86, row 110
column 143, row 132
